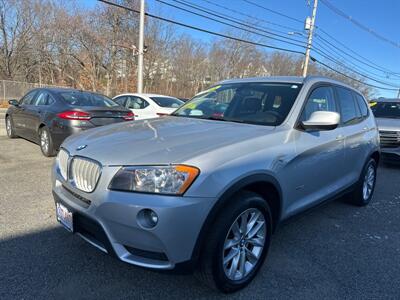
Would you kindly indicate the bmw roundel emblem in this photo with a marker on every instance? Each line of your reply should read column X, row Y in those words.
column 81, row 147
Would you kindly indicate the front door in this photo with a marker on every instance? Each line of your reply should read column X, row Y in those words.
column 317, row 170
column 22, row 118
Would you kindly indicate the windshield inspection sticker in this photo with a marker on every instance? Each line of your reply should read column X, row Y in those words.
column 294, row 86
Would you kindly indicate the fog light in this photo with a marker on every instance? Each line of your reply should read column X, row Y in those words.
column 147, row 218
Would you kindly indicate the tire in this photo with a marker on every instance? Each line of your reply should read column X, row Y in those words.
column 10, row 128
column 365, row 187
column 46, row 142
column 212, row 270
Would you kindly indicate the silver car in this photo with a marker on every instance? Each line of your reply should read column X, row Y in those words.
column 387, row 115
column 206, row 187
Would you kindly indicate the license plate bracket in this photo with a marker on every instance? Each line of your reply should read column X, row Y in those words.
column 65, row 217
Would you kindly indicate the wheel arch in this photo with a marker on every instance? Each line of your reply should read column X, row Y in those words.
column 376, row 156
column 263, row 184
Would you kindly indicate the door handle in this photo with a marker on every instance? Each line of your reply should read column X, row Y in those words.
column 339, row 138
column 365, row 128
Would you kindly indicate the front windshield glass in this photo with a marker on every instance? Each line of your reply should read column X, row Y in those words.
column 77, row 98
column 253, row 103
column 386, row 109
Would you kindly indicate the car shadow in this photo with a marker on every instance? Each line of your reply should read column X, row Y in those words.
column 335, row 251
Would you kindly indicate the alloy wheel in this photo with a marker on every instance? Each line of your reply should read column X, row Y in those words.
column 8, row 126
column 369, row 181
column 44, row 141
column 244, row 244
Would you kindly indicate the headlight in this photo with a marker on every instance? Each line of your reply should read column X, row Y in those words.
column 62, row 162
column 174, row 180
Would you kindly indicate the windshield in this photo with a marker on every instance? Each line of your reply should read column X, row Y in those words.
column 386, row 109
column 167, row 102
column 77, row 98
column 253, row 103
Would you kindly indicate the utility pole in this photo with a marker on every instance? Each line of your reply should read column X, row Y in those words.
column 141, row 47
column 310, row 36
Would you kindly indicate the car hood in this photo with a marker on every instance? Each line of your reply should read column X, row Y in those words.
column 159, row 141
column 388, row 124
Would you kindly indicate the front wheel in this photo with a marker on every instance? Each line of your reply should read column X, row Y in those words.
column 46, row 142
column 237, row 244
column 364, row 190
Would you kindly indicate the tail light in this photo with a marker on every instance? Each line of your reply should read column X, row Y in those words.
column 162, row 114
column 74, row 115
column 130, row 116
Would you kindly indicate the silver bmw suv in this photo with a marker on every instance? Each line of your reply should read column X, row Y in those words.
column 206, row 187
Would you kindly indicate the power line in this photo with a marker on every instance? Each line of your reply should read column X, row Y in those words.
column 201, row 29
column 332, row 51
column 250, row 16
column 268, row 29
column 352, row 78
column 274, row 11
column 239, row 40
column 371, row 65
column 359, row 24
column 375, row 66
column 322, row 53
column 363, row 59
column 234, row 26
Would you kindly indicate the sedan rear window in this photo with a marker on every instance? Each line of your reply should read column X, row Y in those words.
column 77, row 98
column 167, row 102
column 253, row 103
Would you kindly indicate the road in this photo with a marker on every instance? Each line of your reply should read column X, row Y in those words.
column 336, row 251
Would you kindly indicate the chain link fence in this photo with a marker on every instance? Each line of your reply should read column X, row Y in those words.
column 16, row 89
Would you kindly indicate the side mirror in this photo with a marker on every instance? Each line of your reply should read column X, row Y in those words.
column 13, row 102
column 322, row 120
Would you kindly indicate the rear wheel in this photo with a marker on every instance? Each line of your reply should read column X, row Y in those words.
column 237, row 244
column 364, row 190
column 10, row 128
column 46, row 142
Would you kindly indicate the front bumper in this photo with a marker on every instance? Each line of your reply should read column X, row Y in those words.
column 390, row 154
column 108, row 220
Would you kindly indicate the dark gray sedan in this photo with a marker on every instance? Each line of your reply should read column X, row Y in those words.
column 49, row 115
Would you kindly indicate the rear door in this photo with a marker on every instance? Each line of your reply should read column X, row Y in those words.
column 141, row 108
column 39, row 109
column 354, row 126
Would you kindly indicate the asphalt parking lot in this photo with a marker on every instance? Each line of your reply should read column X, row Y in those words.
column 336, row 251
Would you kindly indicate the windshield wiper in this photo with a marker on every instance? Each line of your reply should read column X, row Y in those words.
column 223, row 119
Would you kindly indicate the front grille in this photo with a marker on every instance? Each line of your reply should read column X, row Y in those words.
column 389, row 138
column 62, row 159
column 85, row 173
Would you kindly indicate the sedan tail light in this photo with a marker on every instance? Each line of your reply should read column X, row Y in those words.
column 74, row 115
column 130, row 116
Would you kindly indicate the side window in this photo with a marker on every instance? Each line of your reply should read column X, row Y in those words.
column 121, row 100
column 50, row 100
column 363, row 105
column 350, row 113
column 41, row 99
column 28, row 98
column 320, row 99
column 136, row 103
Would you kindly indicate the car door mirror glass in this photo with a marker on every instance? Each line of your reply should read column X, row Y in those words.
column 322, row 120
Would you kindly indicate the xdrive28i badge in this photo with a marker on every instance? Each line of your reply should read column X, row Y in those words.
column 81, row 147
